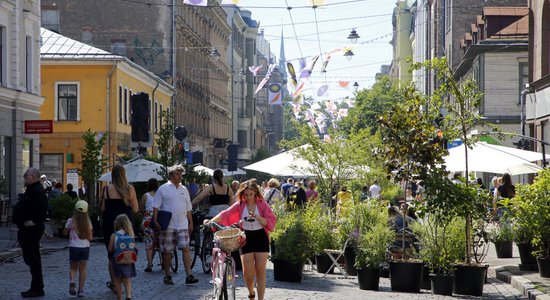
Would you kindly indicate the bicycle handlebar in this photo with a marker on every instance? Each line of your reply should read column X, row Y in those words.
column 219, row 226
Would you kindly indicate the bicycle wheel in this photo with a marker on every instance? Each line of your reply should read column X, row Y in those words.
column 206, row 252
column 229, row 284
column 218, row 279
column 194, row 246
column 174, row 262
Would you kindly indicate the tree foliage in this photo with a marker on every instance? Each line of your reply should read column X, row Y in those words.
column 370, row 104
column 93, row 163
column 165, row 143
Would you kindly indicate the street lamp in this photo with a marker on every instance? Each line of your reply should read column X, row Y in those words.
column 349, row 54
column 214, row 55
column 356, row 86
column 353, row 36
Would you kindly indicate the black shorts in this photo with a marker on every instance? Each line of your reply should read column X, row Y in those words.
column 256, row 241
column 78, row 254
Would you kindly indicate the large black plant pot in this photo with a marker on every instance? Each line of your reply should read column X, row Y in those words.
column 528, row 261
column 284, row 270
column 369, row 279
column 324, row 264
column 469, row 279
column 442, row 284
column 406, row 276
column 504, row 249
column 544, row 267
column 349, row 260
column 425, row 284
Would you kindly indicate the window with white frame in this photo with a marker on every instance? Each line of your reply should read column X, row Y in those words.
column 126, row 106
column 160, row 117
column 156, row 116
column 67, row 95
column 120, row 104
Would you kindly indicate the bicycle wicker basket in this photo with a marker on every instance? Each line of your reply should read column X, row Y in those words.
column 229, row 239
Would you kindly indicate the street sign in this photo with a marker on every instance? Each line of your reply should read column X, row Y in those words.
column 38, row 126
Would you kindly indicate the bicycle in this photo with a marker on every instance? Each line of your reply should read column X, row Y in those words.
column 174, row 259
column 226, row 240
column 195, row 236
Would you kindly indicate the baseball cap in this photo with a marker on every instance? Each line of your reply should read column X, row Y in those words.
column 81, row 206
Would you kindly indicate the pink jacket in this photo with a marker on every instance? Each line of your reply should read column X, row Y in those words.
column 234, row 214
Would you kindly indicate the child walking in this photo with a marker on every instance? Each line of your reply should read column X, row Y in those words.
column 79, row 228
column 122, row 272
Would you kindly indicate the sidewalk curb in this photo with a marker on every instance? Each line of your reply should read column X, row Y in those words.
column 520, row 283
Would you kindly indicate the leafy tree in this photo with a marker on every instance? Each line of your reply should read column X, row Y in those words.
column 370, row 104
column 460, row 101
column 165, row 142
column 93, row 163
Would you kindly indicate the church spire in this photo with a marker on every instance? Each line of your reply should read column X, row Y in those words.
column 282, row 59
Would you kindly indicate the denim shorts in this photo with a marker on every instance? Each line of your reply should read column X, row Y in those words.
column 78, row 254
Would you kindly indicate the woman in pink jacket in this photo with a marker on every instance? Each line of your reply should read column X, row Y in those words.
column 258, row 221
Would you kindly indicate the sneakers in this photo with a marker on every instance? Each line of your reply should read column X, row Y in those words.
column 72, row 289
column 191, row 280
column 168, row 280
column 81, row 294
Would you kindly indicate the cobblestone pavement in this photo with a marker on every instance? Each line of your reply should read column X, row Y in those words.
column 15, row 277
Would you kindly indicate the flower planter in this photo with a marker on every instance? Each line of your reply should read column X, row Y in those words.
column 528, row 261
column 469, row 279
column 426, row 283
column 544, row 267
column 287, row 271
column 442, row 284
column 406, row 276
column 324, row 264
column 349, row 260
column 504, row 249
column 369, row 279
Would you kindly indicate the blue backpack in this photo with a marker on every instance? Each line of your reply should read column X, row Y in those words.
column 125, row 249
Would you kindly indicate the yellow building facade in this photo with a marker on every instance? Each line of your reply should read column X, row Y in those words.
column 88, row 88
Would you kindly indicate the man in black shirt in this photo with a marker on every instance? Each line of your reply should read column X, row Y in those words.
column 29, row 214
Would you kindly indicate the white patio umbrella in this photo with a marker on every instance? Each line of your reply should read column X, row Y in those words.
column 139, row 170
column 239, row 171
column 283, row 164
column 485, row 157
column 204, row 169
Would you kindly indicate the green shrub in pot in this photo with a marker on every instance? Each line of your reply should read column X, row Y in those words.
column 372, row 246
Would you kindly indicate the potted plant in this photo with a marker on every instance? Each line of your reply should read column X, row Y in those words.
column 293, row 246
column 531, row 208
column 370, row 253
column 62, row 210
column 319, row 225
column 441, row 246
column 502, row 236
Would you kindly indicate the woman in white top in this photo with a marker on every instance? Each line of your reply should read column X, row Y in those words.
column 146, row 207
column 219, row 194
column 272, row 194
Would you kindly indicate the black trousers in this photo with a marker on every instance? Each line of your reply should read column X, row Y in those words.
column 29, row 240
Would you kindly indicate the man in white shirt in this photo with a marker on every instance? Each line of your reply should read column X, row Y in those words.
column 174, row 197
column 375, row 190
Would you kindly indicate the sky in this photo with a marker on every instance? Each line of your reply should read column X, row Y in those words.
column 335, row 20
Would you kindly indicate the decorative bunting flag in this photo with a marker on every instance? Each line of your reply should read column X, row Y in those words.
column 316, row 2
column 322, row 90
column 328, row 57
column 343, row 84
column 255, row 69
column 298, row 89
column 196, row 2
column 292, row 74
column 306, row 72
column 299, row 99
column 275, row 94
column 230, row 2
column 326, row 138
column 266, row 78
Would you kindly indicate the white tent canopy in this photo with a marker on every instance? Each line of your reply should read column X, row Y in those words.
column 283, row 164
column 489, row 158
column 203, row 169
column 138, row 170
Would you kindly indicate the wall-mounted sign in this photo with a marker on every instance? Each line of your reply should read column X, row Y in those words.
column 38, row 126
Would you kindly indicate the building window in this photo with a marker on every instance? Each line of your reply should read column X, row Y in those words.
column 118, row 47
column 159, row 117
column 156, row 116
column 50, row 17
column 125, row 106
column 28, row 63
column 120, row 104
column 67, row 102
column 86, row 35
column 151, row 115
column 3, row 47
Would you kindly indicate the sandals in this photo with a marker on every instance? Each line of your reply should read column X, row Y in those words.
column 168, row 280
column 111, row 286
column 149, row 268
column 252, row 296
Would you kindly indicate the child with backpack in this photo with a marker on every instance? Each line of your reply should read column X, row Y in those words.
column 122, row 244
column 79, row 228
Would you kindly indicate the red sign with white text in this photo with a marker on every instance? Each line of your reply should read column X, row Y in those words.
column 38, row 126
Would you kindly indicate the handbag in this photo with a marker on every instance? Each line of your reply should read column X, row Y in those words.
column 163, row 218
